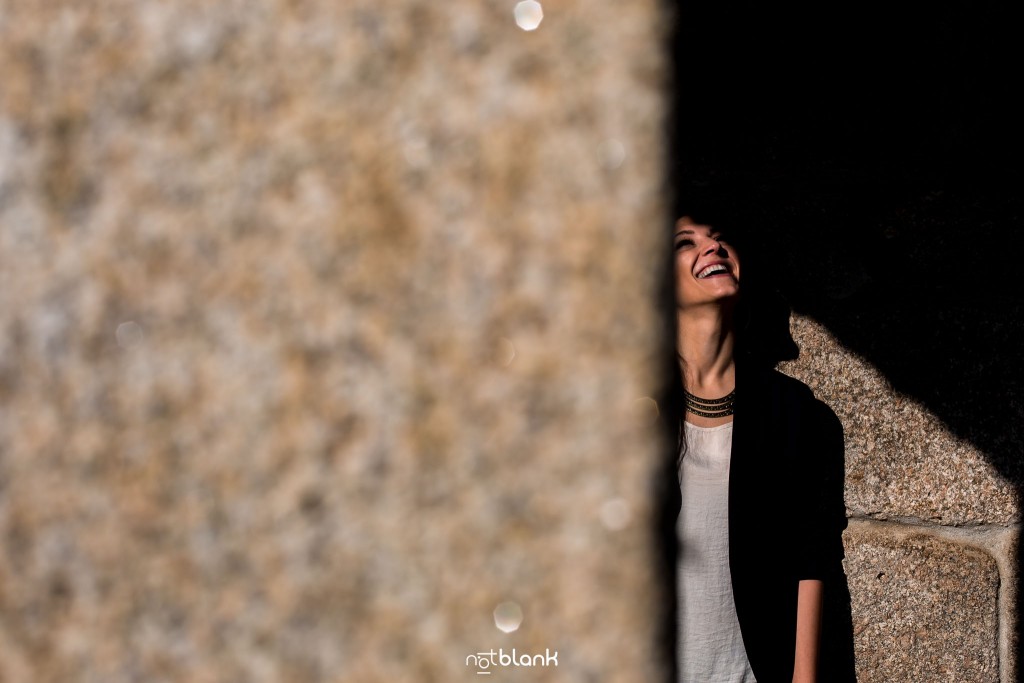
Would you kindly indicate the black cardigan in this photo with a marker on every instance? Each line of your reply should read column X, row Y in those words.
column 786, row 513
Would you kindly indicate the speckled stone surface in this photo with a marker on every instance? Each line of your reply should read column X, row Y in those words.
column 924, row 609
column 901, row 461
column 323, row 329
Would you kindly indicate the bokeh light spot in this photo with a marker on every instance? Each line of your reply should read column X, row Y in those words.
column 613, row 153
column 645, row 410
column 508, row 616
column 507, row 352
column 128, row 334
column 529, row 14
column 615, row 514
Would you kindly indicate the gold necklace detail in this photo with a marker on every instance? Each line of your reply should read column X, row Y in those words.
column 710, row 407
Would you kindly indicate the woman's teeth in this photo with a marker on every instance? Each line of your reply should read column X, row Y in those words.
column 711, row 270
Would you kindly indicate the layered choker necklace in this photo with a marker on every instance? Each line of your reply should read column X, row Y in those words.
column 710, row 407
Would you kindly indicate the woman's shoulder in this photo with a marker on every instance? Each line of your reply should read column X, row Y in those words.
column 783, row 385
column 793, row 396
column 797, row 399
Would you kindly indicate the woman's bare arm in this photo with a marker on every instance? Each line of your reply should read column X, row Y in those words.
column 808, row 626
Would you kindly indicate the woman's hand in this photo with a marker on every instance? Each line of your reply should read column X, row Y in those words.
column 808, row 627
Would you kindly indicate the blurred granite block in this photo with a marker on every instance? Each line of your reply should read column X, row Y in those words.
column 323, row 329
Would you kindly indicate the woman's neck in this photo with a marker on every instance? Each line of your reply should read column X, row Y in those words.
column 706, row 344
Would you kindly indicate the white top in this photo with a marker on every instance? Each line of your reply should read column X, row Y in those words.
column 710, row 647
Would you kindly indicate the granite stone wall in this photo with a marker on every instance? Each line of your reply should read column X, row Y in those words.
column 328, row 337
column 931, row 549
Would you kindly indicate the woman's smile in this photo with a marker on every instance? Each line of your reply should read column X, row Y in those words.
column 714, row 270
column 707, row 268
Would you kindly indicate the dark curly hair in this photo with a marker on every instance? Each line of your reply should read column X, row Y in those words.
column 761, row 317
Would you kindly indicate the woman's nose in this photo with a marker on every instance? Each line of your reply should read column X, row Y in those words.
column 712, row 247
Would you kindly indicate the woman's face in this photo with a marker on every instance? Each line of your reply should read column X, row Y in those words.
column 707, row 268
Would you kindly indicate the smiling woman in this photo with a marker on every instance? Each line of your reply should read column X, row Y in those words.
column 707, row 267
column 749, row 594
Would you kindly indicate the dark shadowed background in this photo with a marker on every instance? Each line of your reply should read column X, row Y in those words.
column 876, row 151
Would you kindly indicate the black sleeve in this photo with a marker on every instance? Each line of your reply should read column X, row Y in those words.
column 819, row 544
